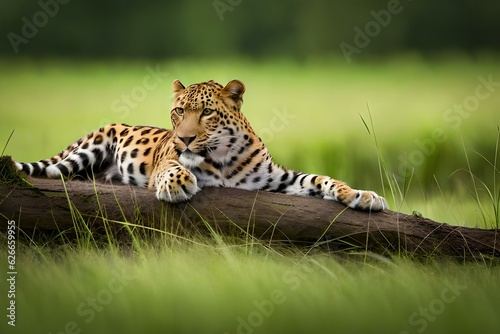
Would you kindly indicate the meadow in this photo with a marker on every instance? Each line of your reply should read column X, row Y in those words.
column 424, row 133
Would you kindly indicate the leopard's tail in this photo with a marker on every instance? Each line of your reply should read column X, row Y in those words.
column 90, row 154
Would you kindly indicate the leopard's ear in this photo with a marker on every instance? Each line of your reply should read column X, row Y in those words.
column 177, row 87
column 235, row 89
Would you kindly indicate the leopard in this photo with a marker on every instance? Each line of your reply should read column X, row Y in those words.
column 211, row 144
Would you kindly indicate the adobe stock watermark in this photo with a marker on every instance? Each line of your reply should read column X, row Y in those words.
column 277, row 123
column 11, row 272
column 222, row 6
column 453, row 118
column 87, row 310
column 372, row 29
column 421, row 319
column 130, row 100
column 265, row 308
column 31, row 26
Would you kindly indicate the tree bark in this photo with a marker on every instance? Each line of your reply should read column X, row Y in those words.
column 54, row 205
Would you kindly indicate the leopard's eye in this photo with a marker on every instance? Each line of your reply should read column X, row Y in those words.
column 207, row 111
column 179, row 111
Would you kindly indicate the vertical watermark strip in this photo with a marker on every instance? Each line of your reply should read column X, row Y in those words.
column 11, row 273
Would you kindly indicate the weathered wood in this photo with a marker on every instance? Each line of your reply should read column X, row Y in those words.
column 263, row 214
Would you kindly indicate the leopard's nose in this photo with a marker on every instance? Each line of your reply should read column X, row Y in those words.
column 187, row 140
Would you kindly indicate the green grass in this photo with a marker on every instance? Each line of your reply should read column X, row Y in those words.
column 187, row 287
column 213, row 285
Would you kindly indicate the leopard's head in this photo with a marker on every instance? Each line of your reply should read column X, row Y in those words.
column 206, row 118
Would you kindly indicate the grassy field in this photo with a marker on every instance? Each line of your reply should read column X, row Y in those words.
column 201, row 287
column 433, row 124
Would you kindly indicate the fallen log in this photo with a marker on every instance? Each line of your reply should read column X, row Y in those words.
column 56, row 205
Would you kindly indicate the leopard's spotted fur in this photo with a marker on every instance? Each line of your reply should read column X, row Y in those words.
column 211, row 144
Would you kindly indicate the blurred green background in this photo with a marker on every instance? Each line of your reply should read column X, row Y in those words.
column 220, row 28
column 426, row 73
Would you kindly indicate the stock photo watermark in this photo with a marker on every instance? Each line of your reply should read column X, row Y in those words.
column 11, row 272
column 223, row 6
column 453, row 118
column 280, row 119
column 372, row 29
column 421, row 319
column 31, row 26
column 87, row 310
column 130, row 100
column 265, row 308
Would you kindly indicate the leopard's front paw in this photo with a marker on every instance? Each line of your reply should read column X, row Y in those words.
column 177, row 184
column 368, row 201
